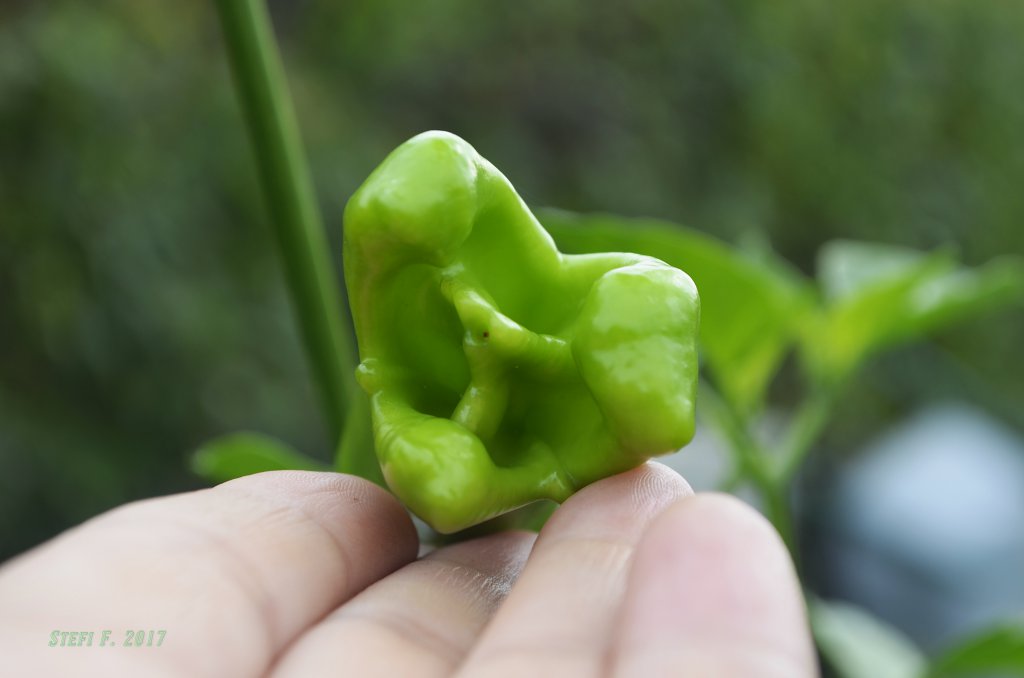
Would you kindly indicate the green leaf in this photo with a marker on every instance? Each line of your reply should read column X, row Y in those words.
column 244, row 453
column 751, row 308
column 949, row 298
column 996, row 651
column 847, row 266
column 857, row 644
column 878, row 296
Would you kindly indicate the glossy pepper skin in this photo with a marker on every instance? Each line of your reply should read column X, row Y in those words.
column 499, row 370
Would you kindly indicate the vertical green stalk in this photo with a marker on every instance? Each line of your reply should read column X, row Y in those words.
column 752, row 464
column 772, row 475
column 805, row 428
column 266, row 103
column 779, row 512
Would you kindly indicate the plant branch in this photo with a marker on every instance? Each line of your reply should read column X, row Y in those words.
column 751, row 462
column 804, row 430
column 749, row 459
column 312, row 283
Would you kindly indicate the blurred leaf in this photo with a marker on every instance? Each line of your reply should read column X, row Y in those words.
column 750, row 308
column 858, row 645
column 878, row 296
column 999, row 650
column 846, row 266
column 948, row 298
column 245, row 453
column 866, row 307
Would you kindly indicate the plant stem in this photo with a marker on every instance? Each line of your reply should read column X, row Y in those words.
column 804, row 429
column 752, row 462
column 779, row 512
column 312, row 283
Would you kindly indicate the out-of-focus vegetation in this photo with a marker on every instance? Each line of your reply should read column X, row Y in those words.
column 142, row 308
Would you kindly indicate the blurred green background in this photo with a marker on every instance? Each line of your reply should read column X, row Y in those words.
column 142, row 308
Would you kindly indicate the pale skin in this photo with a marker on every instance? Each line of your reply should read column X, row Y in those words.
column 316, row 574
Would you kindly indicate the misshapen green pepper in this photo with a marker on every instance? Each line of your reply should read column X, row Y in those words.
column 499, row 370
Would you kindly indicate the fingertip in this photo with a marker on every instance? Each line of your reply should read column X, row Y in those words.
column 723, row 520
column 713, row 591
column 636, row 497
column 654, row 481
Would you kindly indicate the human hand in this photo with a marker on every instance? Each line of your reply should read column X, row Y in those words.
column 309, row 574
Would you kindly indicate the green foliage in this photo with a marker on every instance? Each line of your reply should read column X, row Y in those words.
column 996, row 651
column 141, row 308
column 244, row 453
column 872, row 297
column 877, row 296
column 855, row 644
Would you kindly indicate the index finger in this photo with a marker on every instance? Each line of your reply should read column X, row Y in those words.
column 232, row 574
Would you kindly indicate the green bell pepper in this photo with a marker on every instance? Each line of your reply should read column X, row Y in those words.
column 499, row 370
